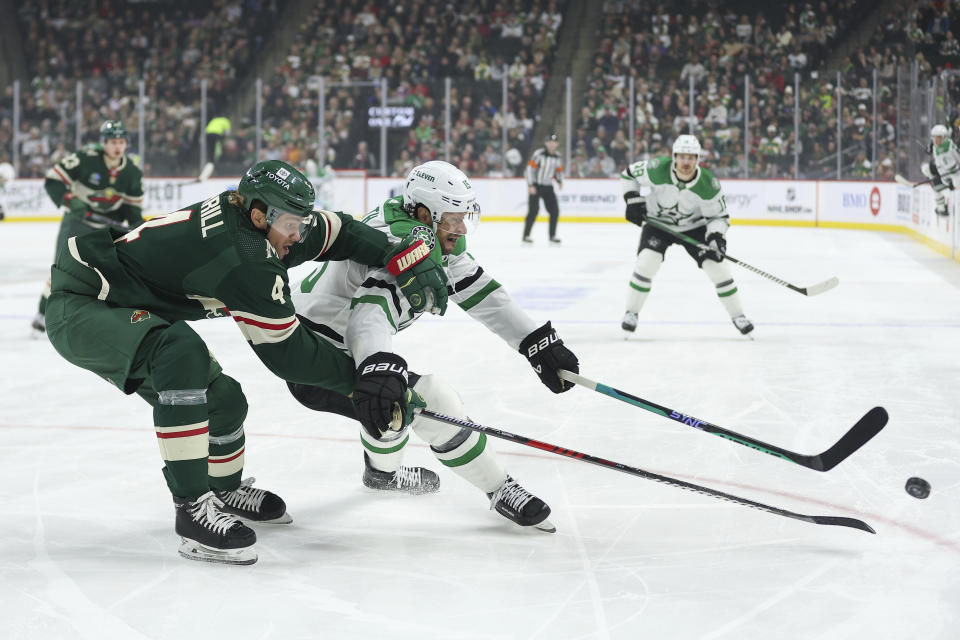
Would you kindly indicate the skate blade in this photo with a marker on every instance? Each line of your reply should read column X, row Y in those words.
column 193, row 550
column 286, row 518
column 546, row 526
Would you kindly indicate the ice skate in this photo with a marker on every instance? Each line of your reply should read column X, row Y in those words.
column 527, row 240
column 555, row 241
column 39, row 323
column 743, row 325
column 522, row 507
column 208, row 534
column 412, row 480
column 255, row 505
column 629, row 322
column 940, row 210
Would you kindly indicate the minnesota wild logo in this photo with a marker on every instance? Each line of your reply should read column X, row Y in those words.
column 139, row 316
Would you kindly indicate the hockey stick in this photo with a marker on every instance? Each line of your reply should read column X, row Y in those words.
column 205, row 173
column 899, row 179
column 110, row 222
column 634, row 471
column 812, row 290
column 858, row 435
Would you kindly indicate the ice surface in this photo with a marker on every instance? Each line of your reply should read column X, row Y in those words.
column 88, row 549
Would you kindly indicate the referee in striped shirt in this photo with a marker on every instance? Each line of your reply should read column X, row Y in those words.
column 544, row 167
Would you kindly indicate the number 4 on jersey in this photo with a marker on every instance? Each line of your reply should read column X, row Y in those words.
column 277, row 293
column 161, row 221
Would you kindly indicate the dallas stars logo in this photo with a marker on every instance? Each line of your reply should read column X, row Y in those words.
column 425, row 234
column 668, row 212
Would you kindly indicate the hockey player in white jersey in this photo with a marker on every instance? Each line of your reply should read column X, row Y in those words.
column 942, row 170
column 7, row 174
column 688, row 199
column 358, row 309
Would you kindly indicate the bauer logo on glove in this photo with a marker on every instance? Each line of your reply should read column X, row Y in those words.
column 547, row 354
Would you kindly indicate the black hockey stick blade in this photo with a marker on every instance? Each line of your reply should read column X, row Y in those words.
column 838, row 521
column 842, row 521
column 860, row 434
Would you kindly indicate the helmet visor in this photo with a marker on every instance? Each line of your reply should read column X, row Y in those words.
column 459, row 223
column 289, row 224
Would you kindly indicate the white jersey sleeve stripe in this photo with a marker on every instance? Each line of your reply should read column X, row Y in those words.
column 260, row 330
column 332, row 224
column 56, row 174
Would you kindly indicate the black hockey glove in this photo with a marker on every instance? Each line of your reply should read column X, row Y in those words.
column 547, row 355
column 381, row 397
column 636, row 207
column 716, row 246
column 422, row 281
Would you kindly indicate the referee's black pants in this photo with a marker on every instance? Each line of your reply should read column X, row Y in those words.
column 533, row 208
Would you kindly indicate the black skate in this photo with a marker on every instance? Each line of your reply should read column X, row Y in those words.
column 629, row 322
column 519, row 505
column 743, row 325
column 255, row 505
column 210, row 535
column 39, row 323
column 412, row 480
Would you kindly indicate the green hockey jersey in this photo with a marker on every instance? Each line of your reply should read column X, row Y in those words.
column 116, row 193
column 209, row 261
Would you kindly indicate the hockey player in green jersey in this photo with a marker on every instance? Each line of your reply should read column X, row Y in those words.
column 99, row 186
column 120, row 301
column 687, row 198
column 942, row 171
column 357, row 309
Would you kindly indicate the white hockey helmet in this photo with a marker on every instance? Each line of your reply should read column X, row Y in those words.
column 441, row 188
column 7, row 172
column 939, row 130
column 687, row 143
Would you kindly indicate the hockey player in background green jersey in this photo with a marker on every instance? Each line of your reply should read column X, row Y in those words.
column 119, row 304
column 99, row 186
column 684, row 197
column 357, row 309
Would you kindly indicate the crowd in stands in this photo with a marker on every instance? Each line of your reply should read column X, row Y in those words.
column 718, row 48
column 111, row 45
column 413, row 46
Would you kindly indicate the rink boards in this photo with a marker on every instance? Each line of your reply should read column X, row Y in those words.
column 876, row 205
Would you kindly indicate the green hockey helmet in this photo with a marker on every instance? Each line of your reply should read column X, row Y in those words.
column 282, row 188
column 112, row 129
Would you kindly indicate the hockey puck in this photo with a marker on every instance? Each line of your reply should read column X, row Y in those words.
column 918, row 488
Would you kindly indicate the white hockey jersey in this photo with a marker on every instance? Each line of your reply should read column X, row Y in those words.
column 680, row 205
column 359, row 308
column 947, row 160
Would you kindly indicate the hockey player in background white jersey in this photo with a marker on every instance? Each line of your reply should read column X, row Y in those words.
column 7, row 174
column 688, row 199
column 359, row 310
column 943, row 170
